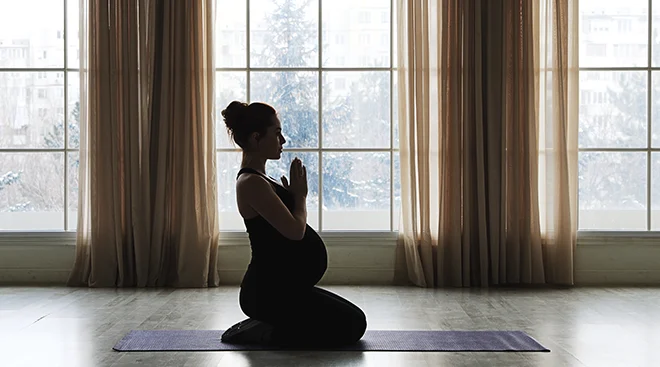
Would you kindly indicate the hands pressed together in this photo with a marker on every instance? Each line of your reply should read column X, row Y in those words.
column 298, row 177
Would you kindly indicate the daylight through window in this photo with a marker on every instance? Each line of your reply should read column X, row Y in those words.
column 39, row 99
column 327, row 69
column 619, row 136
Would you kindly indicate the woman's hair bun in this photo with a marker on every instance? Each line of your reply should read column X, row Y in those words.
column 234, row 115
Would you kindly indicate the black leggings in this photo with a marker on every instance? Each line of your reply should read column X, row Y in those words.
column 311, row 317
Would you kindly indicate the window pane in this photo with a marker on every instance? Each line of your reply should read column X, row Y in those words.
column 356, row 191
column 31, row 110
column 613, row 33
column 230, row 34
column 73, row 33
column 612, row 191
column 228, row 163
column 295, row 97
column 229, row 86
column 356, row 109
column 395, row 35
column 284, row 34
column 613, row 109
column 397, row 191
column 356, row 34
column 31, row 34
column 72, row 187
column 655, row 36
column 31, row 191
column 655, row 109
column 281, row 167
column 73, row 109
column 395, row 111
column 655, row 191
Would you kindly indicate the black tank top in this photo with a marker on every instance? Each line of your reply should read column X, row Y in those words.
column 277, row 259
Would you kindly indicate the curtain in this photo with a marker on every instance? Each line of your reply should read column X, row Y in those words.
column 484, row 201
column 556, row 36
column 147, row 209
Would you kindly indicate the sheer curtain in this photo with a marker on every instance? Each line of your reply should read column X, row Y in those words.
column 474, row 212
column 557, row 48
column 147, row 210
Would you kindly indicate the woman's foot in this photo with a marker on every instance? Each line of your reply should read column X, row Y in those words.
column 248, row 331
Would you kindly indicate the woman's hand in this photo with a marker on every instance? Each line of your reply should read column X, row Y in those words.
column 298, row 177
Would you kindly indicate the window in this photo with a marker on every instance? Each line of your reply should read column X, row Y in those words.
column 335, row 106
column 38, row 116
column 619, row 134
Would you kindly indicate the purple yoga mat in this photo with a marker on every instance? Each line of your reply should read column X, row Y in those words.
column 374, row 340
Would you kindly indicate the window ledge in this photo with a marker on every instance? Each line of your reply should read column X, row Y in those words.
column 236, row 238
column 598, row 238
column 233, row 238
column 368, row 238
column 46, row 238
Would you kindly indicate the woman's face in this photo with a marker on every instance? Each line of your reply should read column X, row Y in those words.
column 270, row 145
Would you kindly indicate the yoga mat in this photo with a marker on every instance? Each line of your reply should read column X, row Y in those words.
column 373, row 340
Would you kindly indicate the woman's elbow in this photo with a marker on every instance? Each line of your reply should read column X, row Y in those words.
column 297, row 235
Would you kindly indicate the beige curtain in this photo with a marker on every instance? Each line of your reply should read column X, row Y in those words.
column 147, row 208
column 474, row 209
column 556, row 34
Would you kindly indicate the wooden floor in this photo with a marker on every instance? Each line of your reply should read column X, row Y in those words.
column 582, row 326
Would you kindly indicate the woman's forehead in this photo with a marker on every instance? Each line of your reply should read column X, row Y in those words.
column 277, row 122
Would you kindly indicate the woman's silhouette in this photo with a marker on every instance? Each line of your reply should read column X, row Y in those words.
column 278, row 292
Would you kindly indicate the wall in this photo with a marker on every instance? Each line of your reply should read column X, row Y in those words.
column 357, row 258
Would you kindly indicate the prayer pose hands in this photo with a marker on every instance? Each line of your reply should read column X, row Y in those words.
column 298, row 177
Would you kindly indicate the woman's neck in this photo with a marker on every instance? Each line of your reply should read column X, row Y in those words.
column 256, row 163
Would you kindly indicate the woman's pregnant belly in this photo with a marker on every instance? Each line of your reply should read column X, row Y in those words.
column 315, row 261
column 293, row 264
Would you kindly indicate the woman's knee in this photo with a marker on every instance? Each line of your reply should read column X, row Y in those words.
column 359, row 324
column 353, row 326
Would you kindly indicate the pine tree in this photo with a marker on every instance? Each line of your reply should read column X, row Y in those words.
column 55, row 138
column 8, row 179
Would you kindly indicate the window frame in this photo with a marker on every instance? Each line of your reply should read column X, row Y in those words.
column 649, row 149
column 319, row 69
column 65, row 150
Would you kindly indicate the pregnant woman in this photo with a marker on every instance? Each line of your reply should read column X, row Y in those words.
column 278, row 292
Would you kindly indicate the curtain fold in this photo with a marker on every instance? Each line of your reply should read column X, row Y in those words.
column 474, row 193
column 148, row 210
column 558, row 101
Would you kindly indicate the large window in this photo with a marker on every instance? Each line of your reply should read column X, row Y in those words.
column 39, row 102
column 619, row 137
column 326, row 66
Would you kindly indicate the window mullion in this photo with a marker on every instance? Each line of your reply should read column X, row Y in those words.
column 65, row 120
column 649, row 107
column 320, row 114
